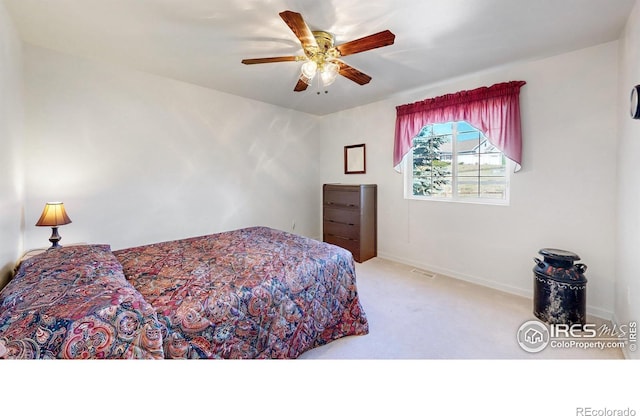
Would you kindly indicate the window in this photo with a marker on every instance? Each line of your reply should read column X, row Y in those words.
column 455, row 162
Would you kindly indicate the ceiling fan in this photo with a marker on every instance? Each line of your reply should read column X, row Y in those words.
column 321, row 55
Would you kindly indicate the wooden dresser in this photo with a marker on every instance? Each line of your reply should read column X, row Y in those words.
column 349, row 218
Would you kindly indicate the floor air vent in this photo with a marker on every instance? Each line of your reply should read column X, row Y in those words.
column 425, row 273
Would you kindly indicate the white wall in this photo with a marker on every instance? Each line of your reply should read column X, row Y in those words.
column 564, row 196
column 628, row 238
column 11, row 142
column 138, row 158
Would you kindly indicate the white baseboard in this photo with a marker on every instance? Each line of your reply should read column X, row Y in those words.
column 514, row 290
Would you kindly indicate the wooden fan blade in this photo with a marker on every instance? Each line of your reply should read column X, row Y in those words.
column 301, row 85
column 353, row 74
column 269, row 60
column 377, row 40
column 298, row 26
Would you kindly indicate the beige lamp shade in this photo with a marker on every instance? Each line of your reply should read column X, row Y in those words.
column 53, row 215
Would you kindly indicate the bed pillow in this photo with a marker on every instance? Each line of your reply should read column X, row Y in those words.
column 74, row 302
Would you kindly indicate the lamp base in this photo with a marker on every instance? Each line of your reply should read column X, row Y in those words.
column 55, row 238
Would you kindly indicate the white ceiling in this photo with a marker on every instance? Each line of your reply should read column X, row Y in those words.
column 203, row 41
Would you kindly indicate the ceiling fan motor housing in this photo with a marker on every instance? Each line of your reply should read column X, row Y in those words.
column 325, row 50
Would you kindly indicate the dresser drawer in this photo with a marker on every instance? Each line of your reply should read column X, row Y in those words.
column 351, row 245
column 342, row 197
column 338, row 229
column 342, row 215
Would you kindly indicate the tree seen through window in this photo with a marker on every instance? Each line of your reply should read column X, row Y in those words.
column 456, row 161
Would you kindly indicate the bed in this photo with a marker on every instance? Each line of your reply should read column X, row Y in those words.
column 252, row 293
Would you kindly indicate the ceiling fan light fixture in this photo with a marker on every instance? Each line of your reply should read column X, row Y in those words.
column 329, row 73
column 309, row 69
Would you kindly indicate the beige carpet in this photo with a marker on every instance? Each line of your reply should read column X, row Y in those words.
column 414, row 316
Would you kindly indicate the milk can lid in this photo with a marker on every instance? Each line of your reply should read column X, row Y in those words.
column 558, row 254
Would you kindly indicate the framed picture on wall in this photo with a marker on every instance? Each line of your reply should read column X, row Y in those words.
column 355, row 159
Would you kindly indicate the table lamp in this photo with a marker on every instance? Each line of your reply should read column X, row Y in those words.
column 53, row 216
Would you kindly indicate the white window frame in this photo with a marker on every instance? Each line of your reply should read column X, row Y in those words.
column 408, row 178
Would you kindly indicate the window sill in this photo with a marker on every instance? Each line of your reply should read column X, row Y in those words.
column 462, row 201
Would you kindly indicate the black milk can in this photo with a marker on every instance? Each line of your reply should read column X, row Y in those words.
column 560, row 288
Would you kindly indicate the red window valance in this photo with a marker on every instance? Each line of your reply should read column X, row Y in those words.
column 493, row 110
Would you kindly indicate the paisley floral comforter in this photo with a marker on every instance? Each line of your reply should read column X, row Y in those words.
column 250, row 293
column 74, row 302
